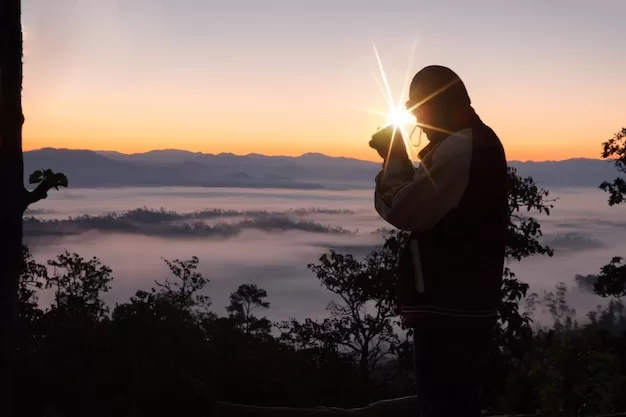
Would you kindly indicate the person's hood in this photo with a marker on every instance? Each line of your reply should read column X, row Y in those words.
column 468, row 119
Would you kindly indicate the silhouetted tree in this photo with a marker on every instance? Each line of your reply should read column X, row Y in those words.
column 614, row 150
column 15, row 196
column 30, row 337
column 243, row 303
column 72, row 331
column 11, row 172
column 612, row 278
column 78, row 285
column 523, row 241
column 556, row 304
column 612, row 318
column 361, row 321
column 586, row 282
column 161, row 348
column 33, row 277
column 184, row 291
column 575, row 370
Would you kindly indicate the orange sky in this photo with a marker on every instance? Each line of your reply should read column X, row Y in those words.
column 137, row 78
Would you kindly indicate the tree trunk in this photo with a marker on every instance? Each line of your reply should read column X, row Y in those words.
column 364, row 369
column 12, row 181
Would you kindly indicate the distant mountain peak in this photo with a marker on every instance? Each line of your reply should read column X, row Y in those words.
column 315, row 154
column 169, row 150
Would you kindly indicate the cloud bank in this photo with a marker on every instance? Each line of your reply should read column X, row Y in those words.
column 207, row 223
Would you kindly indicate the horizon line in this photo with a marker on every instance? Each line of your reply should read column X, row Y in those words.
column 100, row 151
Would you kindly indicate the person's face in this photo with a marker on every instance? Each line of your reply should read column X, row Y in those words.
column 425, row 115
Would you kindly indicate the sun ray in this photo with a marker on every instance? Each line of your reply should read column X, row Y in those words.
column 381, row 87
column 384, row 77
column 396, row 113
column 377, row 112
column 385, row 164
column 432, row 95
column 407, row 76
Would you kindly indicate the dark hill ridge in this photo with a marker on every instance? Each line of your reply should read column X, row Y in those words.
column 173, row 167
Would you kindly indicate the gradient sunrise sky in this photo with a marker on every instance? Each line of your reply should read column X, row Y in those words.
column 285, row 77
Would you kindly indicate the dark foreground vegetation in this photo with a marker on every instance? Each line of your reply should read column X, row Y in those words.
column 165, row 352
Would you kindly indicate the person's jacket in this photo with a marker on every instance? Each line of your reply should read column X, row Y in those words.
column 455, row 204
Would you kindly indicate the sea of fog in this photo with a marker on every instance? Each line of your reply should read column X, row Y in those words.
column 268, row 236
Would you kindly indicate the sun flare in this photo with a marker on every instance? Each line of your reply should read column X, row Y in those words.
column 396, row 114
column 399, row 117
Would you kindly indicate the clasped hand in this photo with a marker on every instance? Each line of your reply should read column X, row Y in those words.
column 386, row 137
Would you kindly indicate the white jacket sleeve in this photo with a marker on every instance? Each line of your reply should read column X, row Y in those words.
column 416, row 200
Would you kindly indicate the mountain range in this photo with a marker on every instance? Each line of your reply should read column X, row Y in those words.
column 172, row 167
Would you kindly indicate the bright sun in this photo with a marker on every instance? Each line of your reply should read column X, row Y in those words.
column 399, row 117
column 396, row 115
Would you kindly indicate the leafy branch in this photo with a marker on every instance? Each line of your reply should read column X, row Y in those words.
column 614, row 150
column 46, row 180
column 612, row 278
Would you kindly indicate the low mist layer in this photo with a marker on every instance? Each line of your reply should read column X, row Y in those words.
column 268, row 237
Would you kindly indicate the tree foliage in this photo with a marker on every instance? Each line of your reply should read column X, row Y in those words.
column 184, row 291
column 155, row 355
column 243, row 303
column 612, row 278
column 361, row 320
column 78, row 284
column 524, row 232
column 614, row 149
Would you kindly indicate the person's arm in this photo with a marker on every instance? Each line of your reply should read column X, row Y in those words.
column 417, row 199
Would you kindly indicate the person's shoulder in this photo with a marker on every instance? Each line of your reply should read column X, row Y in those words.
column 484, row 133
column 485, row 138
column 457, row 145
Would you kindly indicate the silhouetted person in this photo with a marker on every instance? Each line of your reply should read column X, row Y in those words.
column 455, row 204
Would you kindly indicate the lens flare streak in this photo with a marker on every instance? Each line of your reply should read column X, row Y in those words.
column 397, row 115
